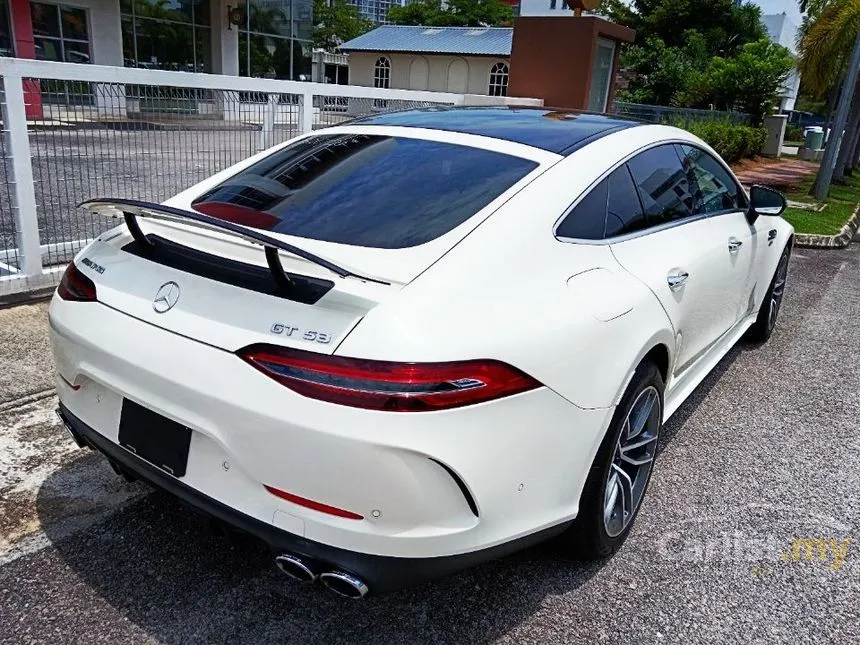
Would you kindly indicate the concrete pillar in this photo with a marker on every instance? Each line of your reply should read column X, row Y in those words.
column 225, row 39
column 775, row 124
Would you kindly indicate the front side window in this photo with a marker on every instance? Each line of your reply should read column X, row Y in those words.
column 365, row 190
column 715, row 188
column 499, row 80
column 664, row 187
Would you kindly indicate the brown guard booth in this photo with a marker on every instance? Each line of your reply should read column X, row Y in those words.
column 569, row 61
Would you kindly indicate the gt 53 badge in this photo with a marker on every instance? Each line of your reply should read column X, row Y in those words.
column 309, row 335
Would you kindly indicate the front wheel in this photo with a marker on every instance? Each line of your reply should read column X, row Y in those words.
column 621, row 471
column 765, row 323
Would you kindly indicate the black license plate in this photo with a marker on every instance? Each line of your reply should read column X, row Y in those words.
column 158, row 440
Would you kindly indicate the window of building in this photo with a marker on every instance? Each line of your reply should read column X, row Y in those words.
column 60, row 33
column 351, row 189
column 382, row 73
column 275, row 39
column 499, row 80
column 6, row 48
column 166, row 35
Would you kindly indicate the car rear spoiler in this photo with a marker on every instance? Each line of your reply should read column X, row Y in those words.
column 131, row 209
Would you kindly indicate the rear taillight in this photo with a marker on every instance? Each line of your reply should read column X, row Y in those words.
column 76, row 286
column 383, row 385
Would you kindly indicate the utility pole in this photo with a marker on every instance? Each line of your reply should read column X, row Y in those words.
column 828, row 164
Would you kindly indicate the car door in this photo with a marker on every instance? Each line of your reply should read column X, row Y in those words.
column 678, row 252
column 723, row 200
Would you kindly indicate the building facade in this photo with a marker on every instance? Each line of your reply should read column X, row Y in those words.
column 264, row 38
column 463, row 60
column 376, row 10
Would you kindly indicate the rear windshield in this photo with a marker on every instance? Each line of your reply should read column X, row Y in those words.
column 377, row 191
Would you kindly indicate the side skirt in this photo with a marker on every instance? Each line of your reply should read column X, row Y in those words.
column 684, row 383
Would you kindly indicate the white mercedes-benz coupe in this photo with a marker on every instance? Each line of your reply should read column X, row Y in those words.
column 404, row 345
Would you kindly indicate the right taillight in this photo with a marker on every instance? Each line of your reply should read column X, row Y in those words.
column 75, row 286
column 385, row 385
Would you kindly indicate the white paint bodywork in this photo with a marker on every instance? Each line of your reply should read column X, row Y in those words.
column 578, row 317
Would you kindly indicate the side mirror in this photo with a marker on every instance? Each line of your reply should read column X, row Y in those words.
column 766, row 201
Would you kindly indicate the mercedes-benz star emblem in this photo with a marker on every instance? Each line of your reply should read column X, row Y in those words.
column 166, row 298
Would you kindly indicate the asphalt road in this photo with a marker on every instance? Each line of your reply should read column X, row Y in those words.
column 763, row 458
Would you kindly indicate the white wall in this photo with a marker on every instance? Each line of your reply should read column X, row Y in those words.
column 790, row 8
column 361, row 66
column 544, row 8
column 104, row 28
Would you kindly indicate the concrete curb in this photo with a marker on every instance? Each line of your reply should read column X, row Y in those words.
column 26, row 400
column 838, row 241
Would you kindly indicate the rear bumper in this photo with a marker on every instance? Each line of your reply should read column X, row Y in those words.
column 380, row 573
column 431, row 487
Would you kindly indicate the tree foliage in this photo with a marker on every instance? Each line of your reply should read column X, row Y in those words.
column 827, row 39
column 456, row 13
column 700, row 53
column 337, row 22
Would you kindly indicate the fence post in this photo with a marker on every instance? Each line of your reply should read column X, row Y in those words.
column 267, row 133
column 24, row 193
column 306, row 113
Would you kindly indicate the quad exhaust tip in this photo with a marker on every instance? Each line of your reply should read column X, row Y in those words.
column 295, row 567
column 344, row 584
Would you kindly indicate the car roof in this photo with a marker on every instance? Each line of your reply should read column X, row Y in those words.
column 558, row 131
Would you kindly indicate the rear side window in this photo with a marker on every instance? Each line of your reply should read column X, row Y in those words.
column 717, row 190
column 365, row 190
column 663, row 185
column 624, row 214
column 611, row 208
column 587, row 220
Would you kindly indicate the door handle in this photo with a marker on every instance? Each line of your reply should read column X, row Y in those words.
column 676, row 279
column 734, row 245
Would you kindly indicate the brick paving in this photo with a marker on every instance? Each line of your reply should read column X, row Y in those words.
column 782, row 174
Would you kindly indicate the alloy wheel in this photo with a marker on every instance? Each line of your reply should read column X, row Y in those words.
column 777, row 291
column 632, row 462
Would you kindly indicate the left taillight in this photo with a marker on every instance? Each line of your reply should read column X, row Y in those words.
column 385, row 385
column 75, row 286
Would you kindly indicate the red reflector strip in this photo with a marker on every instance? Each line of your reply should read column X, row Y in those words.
column 69, row 383
column 311, row 504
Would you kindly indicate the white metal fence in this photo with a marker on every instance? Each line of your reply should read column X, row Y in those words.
column 72, row 132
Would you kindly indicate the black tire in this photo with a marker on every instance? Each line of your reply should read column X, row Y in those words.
column 765, row 323
column 588, row 538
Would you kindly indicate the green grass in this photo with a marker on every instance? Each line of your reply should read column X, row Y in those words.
column 796, row 144
column 840, row 205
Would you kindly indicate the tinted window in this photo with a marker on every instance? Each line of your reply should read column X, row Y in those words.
column 717, row 190
column 587, row 220
column 663, row 185
column 377, row 191
column 624, row 214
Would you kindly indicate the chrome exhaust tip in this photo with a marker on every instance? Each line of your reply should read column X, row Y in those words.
column 295, row 567
column 344, row 584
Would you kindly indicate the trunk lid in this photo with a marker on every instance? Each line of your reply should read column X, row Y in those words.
column 213, row 284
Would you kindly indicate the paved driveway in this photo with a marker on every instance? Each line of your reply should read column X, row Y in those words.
column 749, row 533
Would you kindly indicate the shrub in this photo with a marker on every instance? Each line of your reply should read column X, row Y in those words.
column 793, row 132
column 733, row 142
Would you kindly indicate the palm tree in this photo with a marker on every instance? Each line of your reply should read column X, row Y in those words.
column 828, row 37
